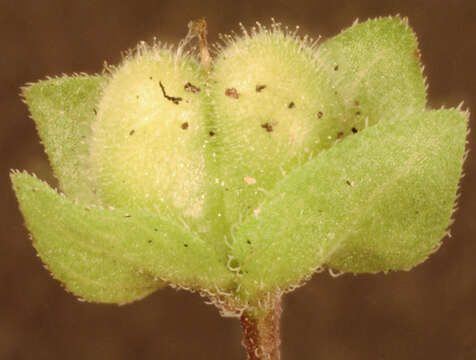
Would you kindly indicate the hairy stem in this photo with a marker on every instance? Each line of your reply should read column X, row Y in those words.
column 261, row 333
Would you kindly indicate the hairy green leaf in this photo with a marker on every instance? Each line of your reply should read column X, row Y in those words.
column 79, row 243
column 377, row 201
column 63, row 110
column 374, row 70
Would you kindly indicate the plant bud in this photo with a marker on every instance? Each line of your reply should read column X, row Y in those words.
column 271, row 114
column 148, row 147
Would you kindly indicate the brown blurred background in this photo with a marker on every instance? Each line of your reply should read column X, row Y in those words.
column 428, row 313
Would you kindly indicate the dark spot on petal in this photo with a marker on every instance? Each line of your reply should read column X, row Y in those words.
column 357, row 113
column 211, row 133
column 95, row 111
column 259, row 88
column 149, row 241
column 232, row 92
column 267, row 126
column 150, row 77
column 348, row 182
column 132, row 132
column 354, row 130
column 336, row 67
column 340, row 134
column 248, row 242
column 156, row 230
column 185, row 245
column 319, row 114
column 191, row 88
column 184, row 126
column 137, row 96
column 291, row 105
column 175, row 100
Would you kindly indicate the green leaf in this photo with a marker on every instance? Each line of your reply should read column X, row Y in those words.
column 374, row 70
column 63, row 110
column 106, row 254
column 377, row 201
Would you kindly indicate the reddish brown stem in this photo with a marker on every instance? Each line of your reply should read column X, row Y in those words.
column 199, row 28
column 261, row 333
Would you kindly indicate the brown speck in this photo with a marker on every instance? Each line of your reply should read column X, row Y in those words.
column 175, row 100
column 350, row 183
column 336, row 67
column 95, row 111
column 127, row 215
column 357, row 113
column 211, row 133
column 259, row 88
column 137, row 96
column 267, row 126
column 356, row 103
column 354, row 130
column 191, row 88
column 149, row 241
column 340, row 134
column 132, row 132
column 291, row 105
column 319, row 114
column 156, row 230
column 248, row 242
column 150, row 77
column 184, row 126
column 232, row 92
column 185, row 245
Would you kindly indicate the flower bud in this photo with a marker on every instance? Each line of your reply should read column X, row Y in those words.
column 148, row 147
column 271, row 112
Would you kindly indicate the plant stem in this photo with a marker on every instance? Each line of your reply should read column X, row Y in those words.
column 261, row 333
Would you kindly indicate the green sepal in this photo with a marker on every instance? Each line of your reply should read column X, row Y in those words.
column 377, row 201
column 63, row 110
column 110, row 254
column 374, row 70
